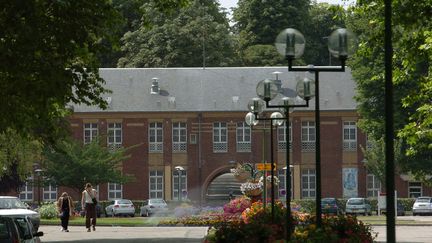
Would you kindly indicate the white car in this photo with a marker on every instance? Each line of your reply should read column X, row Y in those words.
column 153, row 207
column 422, row 205
column 120, row 207
column 12, row 206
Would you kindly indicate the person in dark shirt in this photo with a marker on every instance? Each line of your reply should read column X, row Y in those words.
column 65, row 210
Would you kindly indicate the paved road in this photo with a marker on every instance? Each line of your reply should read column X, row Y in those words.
column 124, row 234
column 405, row 234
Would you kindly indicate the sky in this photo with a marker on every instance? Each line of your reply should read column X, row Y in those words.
column 232, row 3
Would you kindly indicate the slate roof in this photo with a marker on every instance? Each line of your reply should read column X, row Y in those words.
column 211, row 89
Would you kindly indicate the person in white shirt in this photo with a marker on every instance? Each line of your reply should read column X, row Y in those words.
column 88, row 203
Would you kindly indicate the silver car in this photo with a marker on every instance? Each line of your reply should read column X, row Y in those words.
column 358, row 205
column 120, row 207
column 12, row 206
column 153, row 206
column 422, row 205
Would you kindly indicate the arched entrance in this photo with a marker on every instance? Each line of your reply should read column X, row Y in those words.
column 220, row 187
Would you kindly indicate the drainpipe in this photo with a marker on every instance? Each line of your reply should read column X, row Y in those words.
column 199, row 159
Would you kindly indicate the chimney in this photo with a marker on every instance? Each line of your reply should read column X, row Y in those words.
column 155, row 86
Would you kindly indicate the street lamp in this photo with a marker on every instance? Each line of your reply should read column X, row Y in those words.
column 179, row 170
column 38, row 173
column 341, row 44
column 267, row 90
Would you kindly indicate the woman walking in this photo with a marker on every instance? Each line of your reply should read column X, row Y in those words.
column 88, row 202
column 65, row 209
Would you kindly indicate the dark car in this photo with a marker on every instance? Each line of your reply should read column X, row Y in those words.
column 8, row 231
column 331, row 205
column 81, row 211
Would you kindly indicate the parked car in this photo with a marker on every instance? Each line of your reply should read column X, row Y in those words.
column 331, row 205
column 14, row 206
column 358, row 205
column 153, row 206
column 422, row 205
column 120, row 207
column 8, row 231
column 23, row 230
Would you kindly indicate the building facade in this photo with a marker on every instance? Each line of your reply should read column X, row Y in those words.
column 193, row 119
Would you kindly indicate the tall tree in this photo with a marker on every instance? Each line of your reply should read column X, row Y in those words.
column 258, row 22
column 197, row 35
column 72, row 164
column 411, row 77
column 17, row 155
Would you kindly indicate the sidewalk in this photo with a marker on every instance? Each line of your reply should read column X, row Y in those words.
column 124, row 234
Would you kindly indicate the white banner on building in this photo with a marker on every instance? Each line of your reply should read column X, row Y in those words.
column 350, row 182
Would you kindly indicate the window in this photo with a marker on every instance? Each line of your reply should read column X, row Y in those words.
column 349, row 136
column 155, row 137
column 26, row 191
column 368, row 143
column 308, row 183
column 114, row 135
column 220, row 137
column 415, row 189
column 282, row 135
column 115, row 191
column 183, row 187
column 156, row 184
column 50, row 193
column 308, row 136
column 179, row 137
column 243, row 132
column 373, row 185
column 90, row 132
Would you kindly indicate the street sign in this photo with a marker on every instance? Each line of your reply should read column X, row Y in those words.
column 264, row 166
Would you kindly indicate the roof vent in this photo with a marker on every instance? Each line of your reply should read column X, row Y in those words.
column 155, row 86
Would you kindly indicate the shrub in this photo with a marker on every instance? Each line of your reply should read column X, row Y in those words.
column 48, row 211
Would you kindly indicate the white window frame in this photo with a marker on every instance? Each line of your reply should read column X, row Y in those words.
column 155, row 137
column 156, row 184
column 26, row 191
column 243, row 136
column 115, row 191
column 220, row 137
column 179, row 137
column 175, row 186
column 49, row 193
column 115, row 135
column 90, row 132
column 308, row 136
column 282, row 135
column 308, row 183
column 349, row 136
column 373, row 185
column 417, row 187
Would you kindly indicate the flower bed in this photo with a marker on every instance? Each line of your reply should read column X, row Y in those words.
column 254, row 224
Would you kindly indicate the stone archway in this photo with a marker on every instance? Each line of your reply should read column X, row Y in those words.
column 219, row 189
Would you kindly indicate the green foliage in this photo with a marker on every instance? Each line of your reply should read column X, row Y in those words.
column 71, row 164
column 48, row 211
column 48, row 60
column 375, row 157
column 17, row 155
column 180, row 39
column 411, row 78
column 262, row 55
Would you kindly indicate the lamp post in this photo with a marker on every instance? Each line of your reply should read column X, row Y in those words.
column 179, row 170
column 267, row 90
column 38, row 173
column 341, row 44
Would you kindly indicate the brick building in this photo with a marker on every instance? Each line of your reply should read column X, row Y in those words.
column 194, row 118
